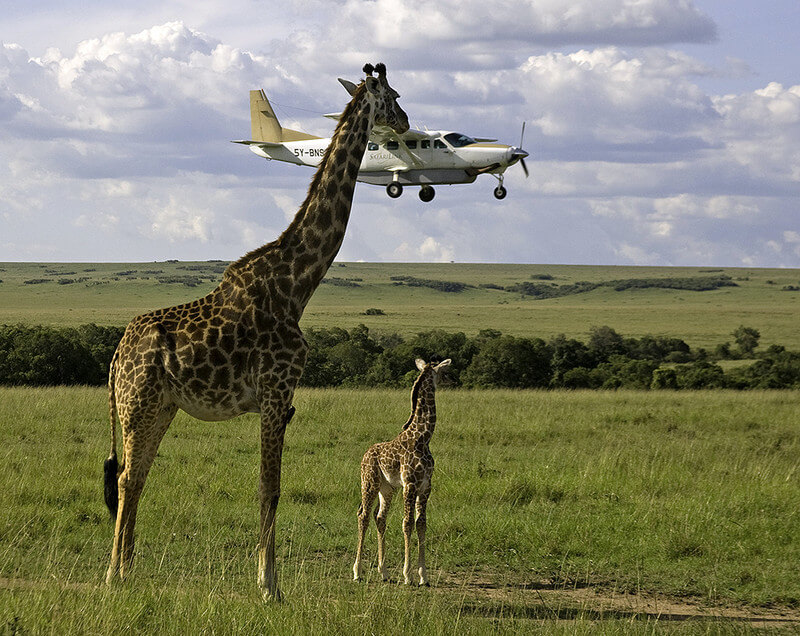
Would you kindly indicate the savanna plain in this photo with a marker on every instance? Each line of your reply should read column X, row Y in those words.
column 552, row 511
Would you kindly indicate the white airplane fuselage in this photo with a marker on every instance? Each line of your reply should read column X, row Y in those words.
column 382, row 161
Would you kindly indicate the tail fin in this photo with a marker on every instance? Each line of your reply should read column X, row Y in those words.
column 264, row 124
column 111, row 465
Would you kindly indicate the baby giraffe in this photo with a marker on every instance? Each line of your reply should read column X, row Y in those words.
column 404, row 462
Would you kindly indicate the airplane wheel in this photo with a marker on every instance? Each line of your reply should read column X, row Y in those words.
column 394, row 189
column 500, row 192
column 426, row 194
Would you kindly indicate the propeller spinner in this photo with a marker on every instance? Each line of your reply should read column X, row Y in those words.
column 520, row 154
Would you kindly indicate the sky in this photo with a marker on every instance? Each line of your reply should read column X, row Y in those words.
column 660, row 132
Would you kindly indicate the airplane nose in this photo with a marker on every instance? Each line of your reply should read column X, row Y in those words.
column 518, row 154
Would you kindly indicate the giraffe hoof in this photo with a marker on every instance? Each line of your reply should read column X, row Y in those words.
column 272, row 596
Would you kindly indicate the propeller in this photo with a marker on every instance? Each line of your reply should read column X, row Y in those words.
column 520, row 153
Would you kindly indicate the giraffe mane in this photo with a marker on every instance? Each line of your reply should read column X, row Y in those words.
column 414, row 400
column 354, row 103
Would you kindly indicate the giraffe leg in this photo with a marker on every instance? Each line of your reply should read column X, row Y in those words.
column 422, row 503
column 275, row 412
column 369, row 490
column 409, row 498
column 141, row 439
column 386, row 494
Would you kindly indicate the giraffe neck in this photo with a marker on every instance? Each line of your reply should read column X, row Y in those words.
column 293, row 266
column 423, row 418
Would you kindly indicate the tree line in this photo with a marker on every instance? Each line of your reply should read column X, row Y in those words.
column 43, row 355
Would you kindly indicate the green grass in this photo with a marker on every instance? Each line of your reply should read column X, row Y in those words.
column 703, row 319
column 691, row 496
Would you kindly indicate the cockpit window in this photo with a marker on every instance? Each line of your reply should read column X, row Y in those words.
column 372, row 146
column 457, row 140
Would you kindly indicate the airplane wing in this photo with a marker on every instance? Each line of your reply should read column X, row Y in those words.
column 414, row 159
column 384, row 133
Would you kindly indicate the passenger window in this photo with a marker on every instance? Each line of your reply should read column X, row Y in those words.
column 411, row 144
column 392, row 145
column 438, row 143
column 372, row 146
column 425, row 144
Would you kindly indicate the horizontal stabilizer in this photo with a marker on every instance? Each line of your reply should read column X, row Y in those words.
column 249, row 142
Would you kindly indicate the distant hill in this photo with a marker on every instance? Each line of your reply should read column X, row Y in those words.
column 701, row 305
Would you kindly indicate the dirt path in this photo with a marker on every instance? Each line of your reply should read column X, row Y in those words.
column 485, row 595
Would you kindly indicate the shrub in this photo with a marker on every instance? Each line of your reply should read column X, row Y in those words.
column 45, row 356
column 511, row 363
column 747, row 339
column 700, row 375
column 438, row 285
column 664, row 379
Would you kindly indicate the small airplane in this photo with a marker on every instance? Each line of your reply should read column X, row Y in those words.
column 414, row 158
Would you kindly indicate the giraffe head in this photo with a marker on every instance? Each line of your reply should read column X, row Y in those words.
column 435, row 367
column 387, row 110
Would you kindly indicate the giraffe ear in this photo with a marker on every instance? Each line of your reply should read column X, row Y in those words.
column 372, row 84
column 420, row 364
column 443, row 364
column 348, row 86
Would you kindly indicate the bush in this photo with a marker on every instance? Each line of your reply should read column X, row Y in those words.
column 700, row 375
column 42, row 356
column 509, row 362
column 664, row 379
column 778, row 369
column 747, row 339
column 38, row 355
column 438, row 285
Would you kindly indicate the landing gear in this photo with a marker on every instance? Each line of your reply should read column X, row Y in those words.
column 500, row 192
column 426, row 194
column 394, row 189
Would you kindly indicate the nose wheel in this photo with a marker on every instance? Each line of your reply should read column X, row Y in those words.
column 500, row 192
column 426, row 194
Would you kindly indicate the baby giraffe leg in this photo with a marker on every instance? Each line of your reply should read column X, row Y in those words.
column 385, row 498
column 369, row 490
column 409, row 498
column 422, row 502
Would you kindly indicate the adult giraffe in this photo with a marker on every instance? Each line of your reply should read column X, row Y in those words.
column 239, row 349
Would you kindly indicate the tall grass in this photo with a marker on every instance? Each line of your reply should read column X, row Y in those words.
column 690, row 495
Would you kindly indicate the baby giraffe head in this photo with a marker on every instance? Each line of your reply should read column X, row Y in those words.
column 436, row 367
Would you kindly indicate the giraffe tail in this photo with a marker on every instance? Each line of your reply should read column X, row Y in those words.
column 111, row 465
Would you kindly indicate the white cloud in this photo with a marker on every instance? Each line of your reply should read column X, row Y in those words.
column 552, row 22
column 120, row 145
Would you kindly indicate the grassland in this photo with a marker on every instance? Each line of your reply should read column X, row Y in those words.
column 111, row 294
column 558, row 512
